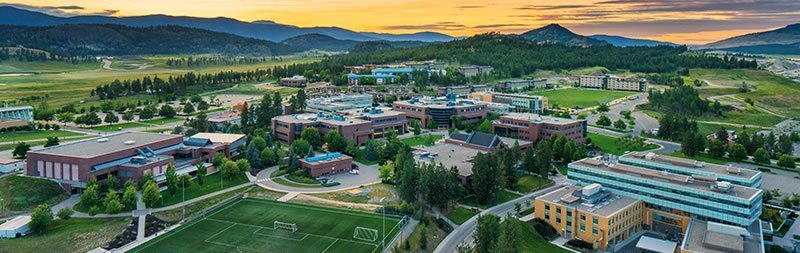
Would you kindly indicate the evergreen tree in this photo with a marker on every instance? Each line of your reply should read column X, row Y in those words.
column 485, row 177
column 486, row 233
column 543, row 158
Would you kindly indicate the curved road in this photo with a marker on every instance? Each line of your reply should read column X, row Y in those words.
column 368, row 175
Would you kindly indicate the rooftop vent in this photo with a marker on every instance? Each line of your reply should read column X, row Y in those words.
column 102, row 140
column 722, row 186
column 733, row 170
column 129, row 142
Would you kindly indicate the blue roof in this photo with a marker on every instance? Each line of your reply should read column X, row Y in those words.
column 327, row 156
column 379, row 75
column 393, row 70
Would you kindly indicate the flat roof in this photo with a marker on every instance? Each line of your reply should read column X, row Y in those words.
column 441, row 103
column 384, row 111
column 608, row 207
column 113, row 143
column 693, row 164
column 536, row 118
column 700, row 238
column 16, row 223
column 219, row 137
column 736, row 191
column 656, row 245
column 449, row 155
column 311, row 117
column 15, row 108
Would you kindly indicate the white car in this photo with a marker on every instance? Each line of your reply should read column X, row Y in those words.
column 355, row 172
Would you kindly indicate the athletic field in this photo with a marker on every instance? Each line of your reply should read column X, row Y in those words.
column 248, row 225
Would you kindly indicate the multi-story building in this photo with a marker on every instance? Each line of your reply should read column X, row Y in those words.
column 441, row 111
column 327, row 164
column 611, row 82
column 338, row 103
column 125, row 156
column 357, row 126
column 532, row 127
column 592, row 213
column 470, row 71
column 294, row 81
column 689, row 167
column 15, row 116
column 381, row 75
column 518, row 85
column 520, row 103
column 463, row 91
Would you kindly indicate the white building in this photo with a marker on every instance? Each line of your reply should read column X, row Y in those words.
column 16, row 227
column 10, row 165
column 338, row 103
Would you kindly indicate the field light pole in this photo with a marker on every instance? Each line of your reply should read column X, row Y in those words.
column 183, row 198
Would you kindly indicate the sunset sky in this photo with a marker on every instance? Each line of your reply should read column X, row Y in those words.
column 679, row 21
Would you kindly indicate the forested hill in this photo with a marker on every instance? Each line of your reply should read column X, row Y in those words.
column 513, row 56
column 114, row 40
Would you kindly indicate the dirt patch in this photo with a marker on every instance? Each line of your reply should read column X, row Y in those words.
column 302, row 198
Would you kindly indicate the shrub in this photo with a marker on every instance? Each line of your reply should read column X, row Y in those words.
column 544, row 229
column 65, row 213
column 93, row 210
column 581, row 244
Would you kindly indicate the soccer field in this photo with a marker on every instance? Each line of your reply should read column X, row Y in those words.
column 248, row 225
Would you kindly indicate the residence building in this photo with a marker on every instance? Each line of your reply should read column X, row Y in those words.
column 611, row 82
column 532, row 127
column 294, row 81
column 383, row 119
column 338, row 103
column 474, row 70
column 357, row 126
column 519, row 102
column 520, row 85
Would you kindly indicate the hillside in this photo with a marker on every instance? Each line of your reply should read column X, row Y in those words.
column 265, row 30
column 319, row 41
column 629, row 42
column 554, row 33
column 114, row 40
column 767, row 49
column 786, row 35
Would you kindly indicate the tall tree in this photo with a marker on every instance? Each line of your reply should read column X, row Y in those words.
column 312, row 136
column 486, row 233
column 544, row 158
column 172, row 179
column 485, row 177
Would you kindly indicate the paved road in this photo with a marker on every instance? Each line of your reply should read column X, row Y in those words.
column 463, row 233
column 666, row 146
column 643, row 121
column 369, row 175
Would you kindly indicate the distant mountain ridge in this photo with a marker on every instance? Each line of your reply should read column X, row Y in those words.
column 554, row 33
column 769, row 39
column 325, row 42
column 116, row 40
column 630, row 42
column 265, row 30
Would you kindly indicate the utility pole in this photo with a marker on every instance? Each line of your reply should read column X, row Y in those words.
column 183, row 198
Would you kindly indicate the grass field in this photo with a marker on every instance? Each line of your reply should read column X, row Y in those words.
column 212, row 184
column 117, row 127
column 502, row 197
column 161, row 121
column 34, row 135
column 459, row 215
column 529, row 183
column 581, row 98
column 70, row 84
column 773, row 92
column 73, row 235
column 425, row 140
column 617, row 146
column 286, row 182
column 247, row 226
column 23, row 194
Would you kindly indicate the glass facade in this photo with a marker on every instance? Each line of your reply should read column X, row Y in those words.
column 754, row 182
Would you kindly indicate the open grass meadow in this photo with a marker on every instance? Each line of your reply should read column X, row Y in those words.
column 35, row 135
column 248, row 226
column 22, row 194
column 459, row 215
column 63, row 83
column 529, row 183
column 502, row 196
column 212, row 184
column 618, row 146
column 775, row 93
column 73, row 235
column 581, row 98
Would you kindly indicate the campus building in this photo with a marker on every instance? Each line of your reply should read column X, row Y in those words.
column 474, row 70
column 459, row 149
column 532, row 127
column 357, row 126
column 439, row 112
column 126, row 156
column 689, row 167
column 15, row 116
column 519, row 85
column 519, row 102
column 338, row 103
column 381, row 75
column 701, row 212
column 294, row 81
column 611, row 82
column 464, row 90
column 327, row 164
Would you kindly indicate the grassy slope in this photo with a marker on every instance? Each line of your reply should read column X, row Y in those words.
column 34, row 135
column 529, row 183
column 459, row 215
column 421, row 139
column 534, row 242
column 569, row 98
column 776, row 93
column 23, row 194
column 174, row 215
column 75, row 84
column 73, row 235
column 212, row 184
column 611, row 145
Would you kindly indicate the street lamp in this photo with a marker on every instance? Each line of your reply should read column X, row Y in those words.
column 183, row 197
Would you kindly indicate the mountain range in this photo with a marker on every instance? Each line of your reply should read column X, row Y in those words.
column 265, row 30
column 328, row 43
column 786, row 40
column 630, row 42
column 554, row 33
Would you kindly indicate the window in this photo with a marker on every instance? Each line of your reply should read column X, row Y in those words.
column 583, row 227
column 594, row 231
column 594, row 220
column 558, row 220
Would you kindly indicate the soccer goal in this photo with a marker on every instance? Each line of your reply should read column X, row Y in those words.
column 285, row 226
column 365, row 234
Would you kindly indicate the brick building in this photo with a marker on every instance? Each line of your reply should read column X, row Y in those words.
column 355, row 126
column 532, row 127
column 327, row 164
column 441, row 111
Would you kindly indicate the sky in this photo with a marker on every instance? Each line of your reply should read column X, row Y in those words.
column 678, row 21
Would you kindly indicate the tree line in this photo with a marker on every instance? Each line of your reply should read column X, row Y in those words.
column 215, row 60
column 30, row 55
column 179, row 84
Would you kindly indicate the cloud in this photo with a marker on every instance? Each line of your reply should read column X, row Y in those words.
column 489, row 26
column 64, row 11
column 552, row 7
column 471, row 7
column 445, row 25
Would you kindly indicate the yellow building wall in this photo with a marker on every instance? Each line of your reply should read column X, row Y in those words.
column 634, row 217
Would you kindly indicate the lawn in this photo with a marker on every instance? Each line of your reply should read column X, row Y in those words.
column 619, row 146
column 708, row 128
column 21, row 194
column 775, row 93
column 581, row 98
column 459, row 215
column 502, row 197
column 10, row 146
column 35, row 135
column 212, row 184
column 73, row 235
column 422, row 140
column 161, row 121
column 562, row 169
column 751, row 116
column 433, row 236
column 118, row 127
column 175, row 215
column 529, row 183
column 248, row 225
column 533, row 241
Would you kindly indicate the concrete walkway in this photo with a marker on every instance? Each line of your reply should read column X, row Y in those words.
column 140, row 206
column 288, row 196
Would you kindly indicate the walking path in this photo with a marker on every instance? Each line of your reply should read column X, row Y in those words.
column 288, row 196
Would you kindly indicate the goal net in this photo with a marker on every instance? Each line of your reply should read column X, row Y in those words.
column 285, row 226
column 365, row 234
